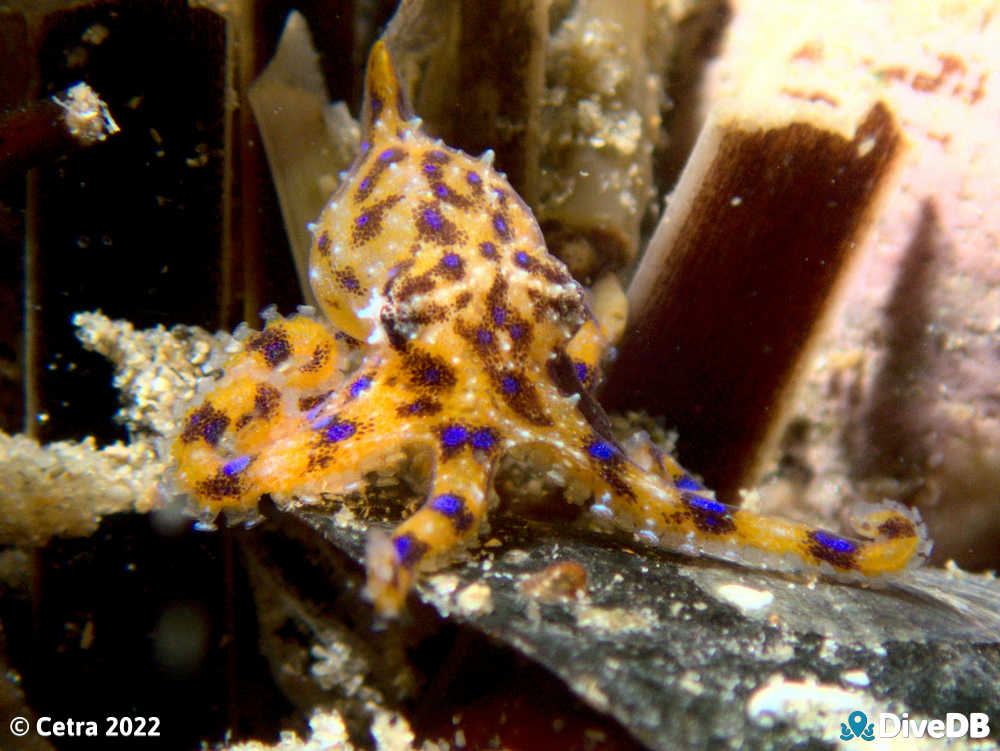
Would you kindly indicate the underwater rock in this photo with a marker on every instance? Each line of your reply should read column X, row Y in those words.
column 691, row 653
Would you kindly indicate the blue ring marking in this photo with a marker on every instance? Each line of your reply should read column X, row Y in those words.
column 500, row 226
column 433, row 218
column 686, row 482
column 448, row 504
column 483, row 439
column 473, row 178
column 362, row 220
column 488, row 249
column 581, row 370
column 499, row 315
column 276, row 349
column 451, row 260
column 360, row 385
column 516, row 331
column 408, row 549
column 454, row 436
column 833, row 542
column 601, row 450
column 340, row 431
column 213, row 430
column 706, row 504
column 510, row 385
column 484, row 336
column 235, row 466
column 522, row 259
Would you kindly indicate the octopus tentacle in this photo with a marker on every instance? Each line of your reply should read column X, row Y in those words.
column 665, row 507
column 255, row 404
column 452, row 515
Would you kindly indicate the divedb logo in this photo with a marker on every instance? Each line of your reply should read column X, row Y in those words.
column 890, row 725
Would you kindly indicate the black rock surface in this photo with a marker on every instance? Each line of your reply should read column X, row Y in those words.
column 690, row 653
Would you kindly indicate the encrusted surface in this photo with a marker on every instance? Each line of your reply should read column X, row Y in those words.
column 64, row 488
column 658, row 643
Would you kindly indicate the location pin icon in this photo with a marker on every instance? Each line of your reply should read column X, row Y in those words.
column 857, row 720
